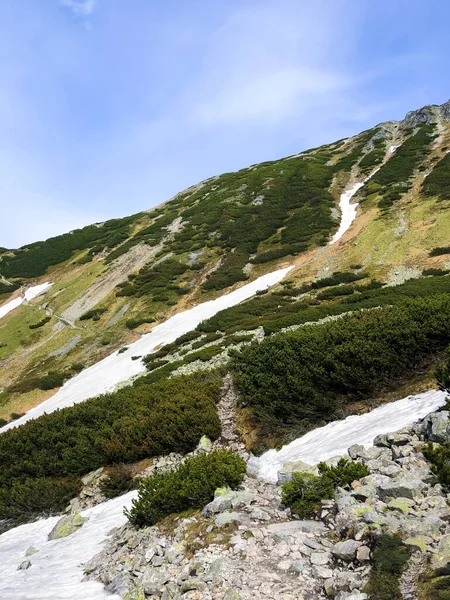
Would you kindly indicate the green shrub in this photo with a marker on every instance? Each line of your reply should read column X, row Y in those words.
column 53, row 379
column 435, row 584
column 191, row 485
column 440, row 251
column 40, row 323
column 93, row 314
column 3, row 422
column 204, row 355
column 133, row 323
column 443, row 372
column 305, row 491
column 439, row 458
column 390, row 558
column 293, row 381
column 435, row 272
column 77, row 366
column 118, row 481
column 125, row 426
column 28, row 499
column 438, row 181
column 15, row 416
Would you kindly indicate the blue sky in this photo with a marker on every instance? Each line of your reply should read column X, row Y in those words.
column 109, row 107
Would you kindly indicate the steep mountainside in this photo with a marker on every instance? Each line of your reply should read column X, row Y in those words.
column 115, row 280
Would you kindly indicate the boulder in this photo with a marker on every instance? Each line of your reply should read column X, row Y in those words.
column 26, row 564
column 226, row 518
column 355, row 451
column 66, row 526
column 363, row 554
column 419, row 542
column 436, row 427
column 345, row 550
column 402, row 505
column 351, row 596
column 205, row 444
column 401, row 488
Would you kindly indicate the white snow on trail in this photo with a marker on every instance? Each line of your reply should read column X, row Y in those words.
column 55, row 572
column 334, row 439
column 105, row 375
column 29, row 294
column 348, row 211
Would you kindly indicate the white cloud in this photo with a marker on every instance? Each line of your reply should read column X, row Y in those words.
column 270, row 64
column 271, row 96
column 80, row 8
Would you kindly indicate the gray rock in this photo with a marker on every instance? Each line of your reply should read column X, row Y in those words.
column 26, row 564
column 346, row 550
column 363, row 554
column 66, row 526
column 293, row 527
column 355, row 451
column 205, row 444
column 319, row 558
column 436, row 427
column 322, row 572
column 401, row 488
column 226, row 518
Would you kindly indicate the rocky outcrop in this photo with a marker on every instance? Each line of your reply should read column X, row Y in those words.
column 245, row 545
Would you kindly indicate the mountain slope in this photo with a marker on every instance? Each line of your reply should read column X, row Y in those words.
column 109, row 279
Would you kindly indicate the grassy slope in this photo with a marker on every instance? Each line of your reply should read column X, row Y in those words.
column 401, row 236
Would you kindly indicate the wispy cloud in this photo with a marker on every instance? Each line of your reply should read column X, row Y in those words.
column 266, row 65
column 80, row 8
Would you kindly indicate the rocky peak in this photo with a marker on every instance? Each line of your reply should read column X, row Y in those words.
column 428, row 114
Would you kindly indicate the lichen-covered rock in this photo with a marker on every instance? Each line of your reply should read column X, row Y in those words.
column 66, row 526
column 26, row 564
column 436, row 427
column 345, row 550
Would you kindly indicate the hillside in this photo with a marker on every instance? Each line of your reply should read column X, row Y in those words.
column 210, row 352
column 112, row 281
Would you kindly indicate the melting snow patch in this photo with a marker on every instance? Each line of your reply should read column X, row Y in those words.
column 348, row 211
column 335, row 438
column 105, row 375
column 55, row 572
column 29, row 294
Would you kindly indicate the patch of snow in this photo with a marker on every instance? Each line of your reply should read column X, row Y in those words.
column 348, row 211
column 335, row 438
column 392, row 149
column 116, row 368
column 30, row 293
column 55, row 572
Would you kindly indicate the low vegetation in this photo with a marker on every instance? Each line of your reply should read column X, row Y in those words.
column 118, row 481
column 124, row 426
column 297, row 380
column 305, row 491
column 390, row 558
column 438, row 181
column 191, row 485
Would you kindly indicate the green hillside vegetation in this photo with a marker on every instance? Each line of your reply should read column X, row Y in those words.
column 438, row 181
column 34, row 259
column 395, row 177
column 298, row 380
column 279, row 310
column 125, row 426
